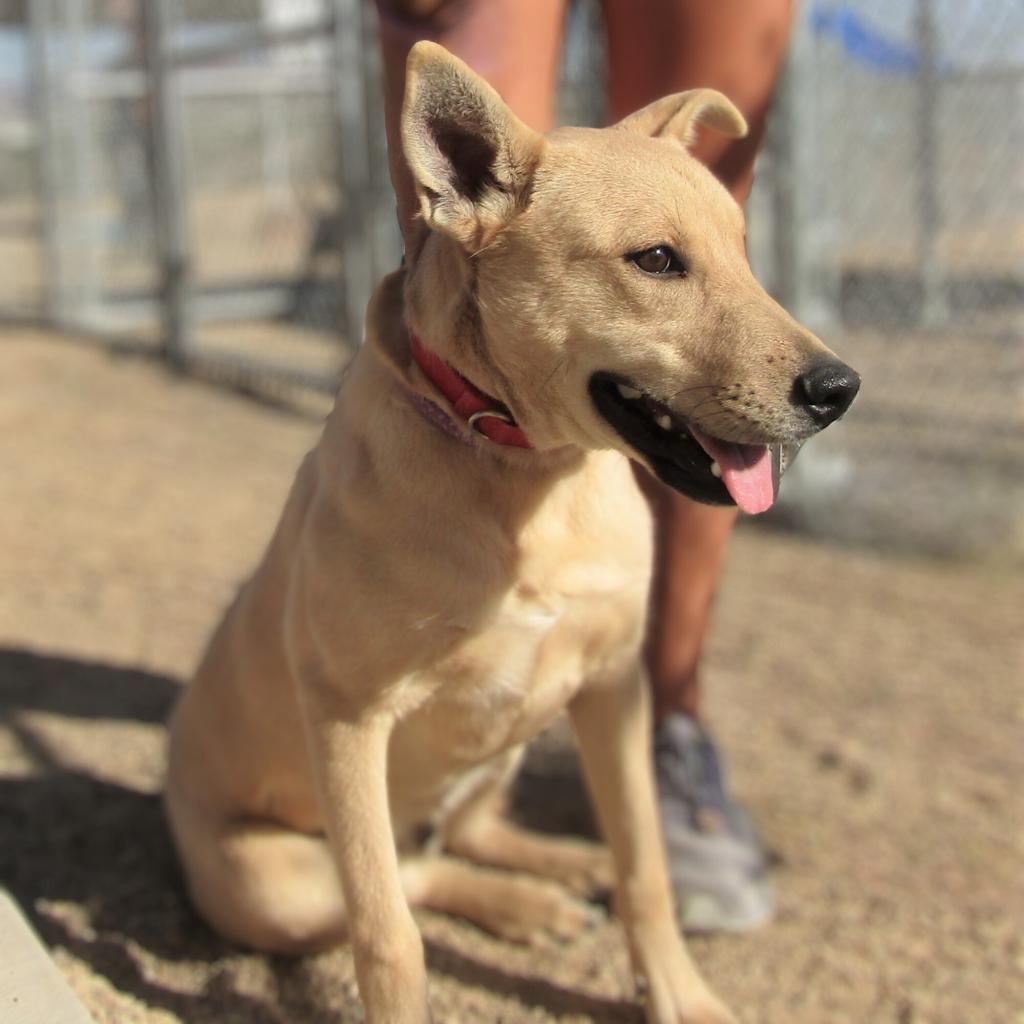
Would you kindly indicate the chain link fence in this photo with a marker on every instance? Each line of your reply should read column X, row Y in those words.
column 210, row 179
column 896, row 230
column 206, row 178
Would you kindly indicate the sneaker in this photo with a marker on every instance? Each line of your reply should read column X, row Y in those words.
column 716, row 861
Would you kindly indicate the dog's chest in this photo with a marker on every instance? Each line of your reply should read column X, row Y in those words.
column 505, row 684
column 566, row 608
column 572, row 611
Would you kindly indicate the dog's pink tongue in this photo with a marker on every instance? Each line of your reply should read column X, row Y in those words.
column 746, row 471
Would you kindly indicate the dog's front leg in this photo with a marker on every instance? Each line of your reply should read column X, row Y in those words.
column 350, row 763
column 613, row 727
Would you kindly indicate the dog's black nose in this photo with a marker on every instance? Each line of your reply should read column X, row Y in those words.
column 826, row 390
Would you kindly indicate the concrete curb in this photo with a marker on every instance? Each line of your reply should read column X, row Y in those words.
column 32, row 989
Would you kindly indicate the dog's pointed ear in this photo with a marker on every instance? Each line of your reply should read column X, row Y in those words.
column 677, row 116
column 472, row 159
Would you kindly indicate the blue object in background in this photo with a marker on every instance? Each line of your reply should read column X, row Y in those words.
column 863, row 43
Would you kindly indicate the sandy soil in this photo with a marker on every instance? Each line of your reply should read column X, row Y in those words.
column 871, row 707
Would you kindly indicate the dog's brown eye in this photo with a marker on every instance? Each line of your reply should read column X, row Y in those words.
column 658, row 261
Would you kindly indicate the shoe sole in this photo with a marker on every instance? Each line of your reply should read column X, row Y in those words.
column 702, row 912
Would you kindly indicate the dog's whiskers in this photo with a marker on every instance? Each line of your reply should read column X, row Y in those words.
column 560, row 365
column 721, row 414
column 686, row 391
column 705, row 403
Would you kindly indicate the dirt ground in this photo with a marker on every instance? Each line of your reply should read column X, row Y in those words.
column 871, row 707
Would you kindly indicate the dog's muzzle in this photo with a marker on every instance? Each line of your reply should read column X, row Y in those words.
column 705, row 468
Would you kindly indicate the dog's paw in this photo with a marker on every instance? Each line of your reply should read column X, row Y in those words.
column 672, row 990
column 671, row 1005
column 538, row 911
column 585, row 869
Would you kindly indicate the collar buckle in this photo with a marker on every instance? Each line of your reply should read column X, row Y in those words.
column 477, row 409
column 483, row 414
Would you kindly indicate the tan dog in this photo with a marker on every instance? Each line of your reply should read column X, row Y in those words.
column 432, row 598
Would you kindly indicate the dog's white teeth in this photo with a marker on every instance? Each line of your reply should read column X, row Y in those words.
column 627, row 392
column 716, row 470
column 664, row 421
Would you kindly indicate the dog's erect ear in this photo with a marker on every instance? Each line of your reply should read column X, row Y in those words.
column 471, row 158
column 677, row 116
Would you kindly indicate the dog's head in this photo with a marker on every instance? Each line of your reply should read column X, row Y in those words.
column 596, row 281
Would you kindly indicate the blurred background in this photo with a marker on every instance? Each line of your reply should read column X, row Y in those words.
column 210, row 178
column 194, row 206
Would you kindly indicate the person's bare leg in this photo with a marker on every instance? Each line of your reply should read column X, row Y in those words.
column 690, row 544
column 716, row 860
column 514, row 44
column 656, row 47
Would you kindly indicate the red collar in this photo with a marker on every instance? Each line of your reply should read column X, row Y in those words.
column 484, row 415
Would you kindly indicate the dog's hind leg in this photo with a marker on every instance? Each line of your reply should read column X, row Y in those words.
column 478, row 830
column 277, row 890
column 261, row 884
column 520, row 908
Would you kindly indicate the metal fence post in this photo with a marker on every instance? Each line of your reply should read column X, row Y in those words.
column 80, row 138
column 386, row 241
column 799, row 280
column 54, row 298
column 785, row 284
column 353, row 142
column 929, row 211
column 165, row 155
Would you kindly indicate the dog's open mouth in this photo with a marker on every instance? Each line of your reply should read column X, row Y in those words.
column 696, row 464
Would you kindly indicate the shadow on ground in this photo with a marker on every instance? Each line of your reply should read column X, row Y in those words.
column 72, row 840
